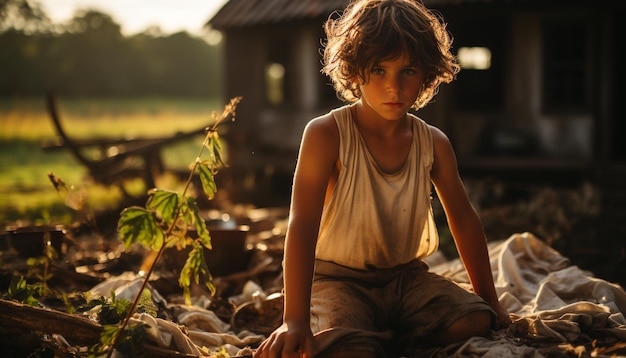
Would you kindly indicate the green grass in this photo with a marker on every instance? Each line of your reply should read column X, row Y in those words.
column 27, row 194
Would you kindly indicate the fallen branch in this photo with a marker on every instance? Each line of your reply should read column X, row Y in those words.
column 75, row 329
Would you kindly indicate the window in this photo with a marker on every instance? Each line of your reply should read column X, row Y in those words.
column 277, row 68
column 480, row 81
column 480, row 52
column 475, row 58
column 566, row 76
column 275, row 83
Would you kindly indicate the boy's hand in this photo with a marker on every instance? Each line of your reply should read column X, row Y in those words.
column 288, row 340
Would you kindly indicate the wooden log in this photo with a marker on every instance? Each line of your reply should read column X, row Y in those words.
column 75, row 329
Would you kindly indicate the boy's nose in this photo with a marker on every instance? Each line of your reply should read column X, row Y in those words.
column 393, row 84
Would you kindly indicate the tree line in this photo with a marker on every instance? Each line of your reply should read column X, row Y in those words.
column 89, row 56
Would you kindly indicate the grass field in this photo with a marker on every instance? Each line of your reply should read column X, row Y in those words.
column 27, row 193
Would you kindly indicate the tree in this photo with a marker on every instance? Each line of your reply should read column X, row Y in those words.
column 23, row 15
column 90, row 56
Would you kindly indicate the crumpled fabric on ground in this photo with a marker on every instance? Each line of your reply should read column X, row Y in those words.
column 549, row 299
column 194, row 341
column 198, row 331
column 167, row 334
column 495, row 348
column 203, row 320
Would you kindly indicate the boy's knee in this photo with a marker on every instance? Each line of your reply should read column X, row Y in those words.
column 473, row 324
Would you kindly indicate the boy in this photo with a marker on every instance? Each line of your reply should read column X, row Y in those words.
column 361, row 216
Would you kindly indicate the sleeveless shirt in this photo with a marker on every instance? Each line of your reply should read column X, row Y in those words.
column 376, row 219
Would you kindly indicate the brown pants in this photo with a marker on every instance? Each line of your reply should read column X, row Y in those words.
column 383, row 309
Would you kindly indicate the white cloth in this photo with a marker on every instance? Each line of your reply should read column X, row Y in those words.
column 552, row 301
column 199, row 332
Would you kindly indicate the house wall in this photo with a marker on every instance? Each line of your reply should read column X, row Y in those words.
column 266, row 136
column 244, row 52
column 518, row 131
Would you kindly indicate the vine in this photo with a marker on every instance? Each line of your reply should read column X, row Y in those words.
column 167, row 216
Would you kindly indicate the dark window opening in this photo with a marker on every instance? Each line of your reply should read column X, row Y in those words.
column 479, row 85
column 276, row 71
column 565, row 71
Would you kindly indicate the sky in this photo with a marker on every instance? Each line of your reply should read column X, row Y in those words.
column 136, row 15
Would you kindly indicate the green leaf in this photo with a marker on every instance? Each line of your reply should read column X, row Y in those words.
column 129, row 340
column 214, row 147
column 201, row 229
column 194, row 267
column 209, row 145
column 23, row 292
column 137, row 224
column 108, row 334
column 208, row 182
column 165, row 203
column 146, row 304
column 218, row 151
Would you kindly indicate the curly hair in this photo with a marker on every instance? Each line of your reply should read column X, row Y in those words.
column 371, row 31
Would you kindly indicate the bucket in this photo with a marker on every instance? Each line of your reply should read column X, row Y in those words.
column 229, row 254
column 31, row 241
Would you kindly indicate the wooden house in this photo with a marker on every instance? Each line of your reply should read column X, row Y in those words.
column 538, row 89
column 272, row 60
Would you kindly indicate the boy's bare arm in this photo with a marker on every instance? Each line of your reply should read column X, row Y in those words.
column 464, row 222
column 318, row 153
column 315, row 162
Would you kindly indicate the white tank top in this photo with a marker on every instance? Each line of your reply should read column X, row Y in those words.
column 375, row 219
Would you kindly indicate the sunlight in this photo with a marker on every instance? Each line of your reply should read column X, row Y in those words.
column 135, row 16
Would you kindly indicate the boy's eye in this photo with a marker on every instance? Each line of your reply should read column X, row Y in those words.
column 378, row 71
column 409, row 71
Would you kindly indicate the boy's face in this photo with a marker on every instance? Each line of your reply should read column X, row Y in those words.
column 392, row 86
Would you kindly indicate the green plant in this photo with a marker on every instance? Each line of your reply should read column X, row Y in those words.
column 23, row 292
column 110, row 311
column 167, row 216
column 39, row 267
column 38, row 270
column 128, row 340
